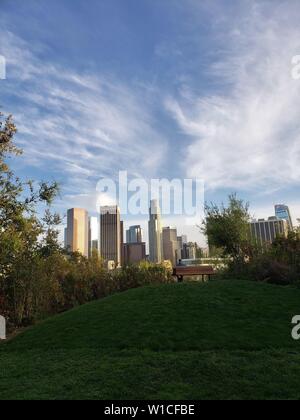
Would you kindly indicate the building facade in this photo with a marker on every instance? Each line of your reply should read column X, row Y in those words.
column 182, row 240
column 189, row 251
column 282, row 212
column 93, row 235
column 134, row 253
column 111, row 234
column 134, row 235
column 77, row 231
column 170, row 245
column 155, row 233
column 266, row 231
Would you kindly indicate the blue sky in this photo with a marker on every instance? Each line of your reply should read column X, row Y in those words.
column 161, row 88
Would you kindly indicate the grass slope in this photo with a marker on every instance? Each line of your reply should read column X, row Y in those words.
column 220, row 340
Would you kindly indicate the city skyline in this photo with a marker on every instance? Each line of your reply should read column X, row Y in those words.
column 106, row 235
column 92, row 110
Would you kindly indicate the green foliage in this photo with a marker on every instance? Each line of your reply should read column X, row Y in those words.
column 20, row 230
column 227, row 228
column 279, row 263
column 142, row 274
column 276, row 263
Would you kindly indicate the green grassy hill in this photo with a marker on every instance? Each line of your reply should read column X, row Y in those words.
column 186, row 341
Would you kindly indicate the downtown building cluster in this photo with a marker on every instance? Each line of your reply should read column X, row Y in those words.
column 105, row 235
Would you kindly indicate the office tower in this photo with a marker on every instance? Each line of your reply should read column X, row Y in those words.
column 77, row 232
column 134, row 234
column 93, row 235
column 110, row 234
column 189, row 251
column 155, row 233
column 170, row 244
column 134, row 253
column 282, row 212
column 181, row 241
column 265, row 231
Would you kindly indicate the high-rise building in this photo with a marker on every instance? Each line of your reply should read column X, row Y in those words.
column 189, row 251
column 110, row 234
column 134, row 253
column 155, row 233
column 266, row 231
column 93, row 235
column 170, row 244
column 134, row 234
column 282, row 212
column 77, row 231
column 181, row 241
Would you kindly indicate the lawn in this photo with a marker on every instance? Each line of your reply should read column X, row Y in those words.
column 219, row 340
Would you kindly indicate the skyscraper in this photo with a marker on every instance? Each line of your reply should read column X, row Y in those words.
column 134, row 235
column 282, row 212
column 182, row 240
column 77, row 231
column 170, row 245
column 155, row 233
column 93, row 235
column 189, row 251
column 110, row 234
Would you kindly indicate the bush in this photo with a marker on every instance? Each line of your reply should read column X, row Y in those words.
column 141, row 275
column 59, row 282
column 278, row 263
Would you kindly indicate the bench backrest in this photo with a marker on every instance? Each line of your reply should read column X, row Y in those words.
column 198, row 270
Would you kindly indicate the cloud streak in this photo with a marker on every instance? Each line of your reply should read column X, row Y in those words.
column 248, row 136
column 81, row 126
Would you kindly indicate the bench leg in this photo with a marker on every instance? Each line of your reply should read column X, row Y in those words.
column 180, row 279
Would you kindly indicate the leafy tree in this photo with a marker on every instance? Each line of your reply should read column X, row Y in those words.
column 227, row 227
column 20, row 228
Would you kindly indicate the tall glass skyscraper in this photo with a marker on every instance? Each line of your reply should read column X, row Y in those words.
column 155, row 233
column 282, row 212
column 134, row 235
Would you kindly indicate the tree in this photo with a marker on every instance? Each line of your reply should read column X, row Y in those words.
column 227, row 228
column 20, row 229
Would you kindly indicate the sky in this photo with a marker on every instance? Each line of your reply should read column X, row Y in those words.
column 159, row 88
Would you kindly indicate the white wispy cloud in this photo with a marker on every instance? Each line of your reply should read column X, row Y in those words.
column 81, row 126
column 247, row 136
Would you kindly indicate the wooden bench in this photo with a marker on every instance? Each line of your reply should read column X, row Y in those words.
column 189, row 271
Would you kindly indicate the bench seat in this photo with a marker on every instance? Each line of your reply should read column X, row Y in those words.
column 200, row 270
